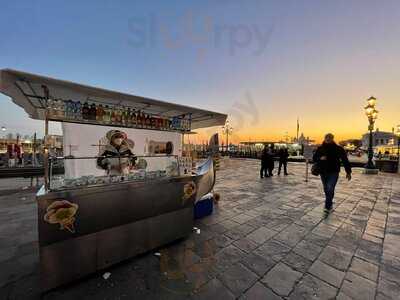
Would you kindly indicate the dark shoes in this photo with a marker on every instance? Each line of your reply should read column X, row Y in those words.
column 327, row 211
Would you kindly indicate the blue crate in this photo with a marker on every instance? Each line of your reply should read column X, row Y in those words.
column 204, row 207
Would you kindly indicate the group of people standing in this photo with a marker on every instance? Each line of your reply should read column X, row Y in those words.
column 268, row 161
column 328, row 159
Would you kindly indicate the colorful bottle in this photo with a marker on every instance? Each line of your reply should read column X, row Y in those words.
column 123, row 118
column 153, row 122
column 128, row 118
column 69, row 109
column 85, row 111
column 148, row 122
column 78, row 110
column 92, row 112
column 60, row 108
column 139, row 119
column 133, row 118
column 107, row 115
column 100, row 113
column 113, row 116
column 119, row 115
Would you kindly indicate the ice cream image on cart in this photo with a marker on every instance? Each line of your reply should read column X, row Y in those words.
column 123, row 191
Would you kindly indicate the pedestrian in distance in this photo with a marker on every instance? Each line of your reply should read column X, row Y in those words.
column 283, row 160
column 328, row 158
column 265, row 158
column 271, row 162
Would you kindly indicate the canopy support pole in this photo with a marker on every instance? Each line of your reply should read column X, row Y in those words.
column 46, row 154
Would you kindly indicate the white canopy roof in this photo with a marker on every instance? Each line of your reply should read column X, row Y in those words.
column 28, row 91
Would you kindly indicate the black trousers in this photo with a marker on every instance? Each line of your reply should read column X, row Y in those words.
column 264, row 171
column 284, row 163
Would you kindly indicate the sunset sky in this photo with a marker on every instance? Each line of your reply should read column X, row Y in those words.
column 265, row 63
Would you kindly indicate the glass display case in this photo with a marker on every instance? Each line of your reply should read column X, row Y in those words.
column 146, row 168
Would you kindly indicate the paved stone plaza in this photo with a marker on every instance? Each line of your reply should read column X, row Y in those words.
column 267, row 239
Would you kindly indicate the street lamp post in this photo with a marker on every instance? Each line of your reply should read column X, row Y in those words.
column 372, row 115
column 398, row 148
column 227, row 130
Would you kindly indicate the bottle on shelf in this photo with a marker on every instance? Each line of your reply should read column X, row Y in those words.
column 85, row 111
column 167, row 124
column 127, row 117
column 148, row 122
column 92, row 112
column 77, row 114
column 174, row 124
column 133, row 118
column 60, row 108
column 153, row 122
column 182, row 122
column 107, row 115
column 69, row 109
column 100, row 113
column 159, row 123
column 139, row 119
column 118, row 115
column 113, row 115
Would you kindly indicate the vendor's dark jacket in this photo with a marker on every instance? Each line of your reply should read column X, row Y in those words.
column 335, row 155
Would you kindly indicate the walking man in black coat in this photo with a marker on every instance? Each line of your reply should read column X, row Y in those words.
column 329, row 157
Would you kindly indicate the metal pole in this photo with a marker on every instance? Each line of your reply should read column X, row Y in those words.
column 46, row 154
column 34, row 150
column 398, row 153
column 306, row 170
column 370, row 164
column 227, row 134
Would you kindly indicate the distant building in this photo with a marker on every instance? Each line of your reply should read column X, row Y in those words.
column 379, row 138
column 304, row 140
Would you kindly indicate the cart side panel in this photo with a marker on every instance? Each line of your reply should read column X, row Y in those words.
column 100, row 208
column 66, row 261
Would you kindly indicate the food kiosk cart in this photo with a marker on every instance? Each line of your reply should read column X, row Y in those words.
column 126, row 188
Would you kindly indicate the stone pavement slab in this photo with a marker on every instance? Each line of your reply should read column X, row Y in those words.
column 267, row 239
column 327, row 273
column 281, row 279
column 259, row 291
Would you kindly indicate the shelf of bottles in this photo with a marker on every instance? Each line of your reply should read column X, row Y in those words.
column 112, row 115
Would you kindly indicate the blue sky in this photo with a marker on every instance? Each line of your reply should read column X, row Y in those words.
column 318, row 60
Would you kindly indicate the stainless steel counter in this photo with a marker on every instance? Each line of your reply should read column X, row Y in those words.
column 84, row 230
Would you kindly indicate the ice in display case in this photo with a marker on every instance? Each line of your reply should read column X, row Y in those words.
column 126, row 188
column 167, row 167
